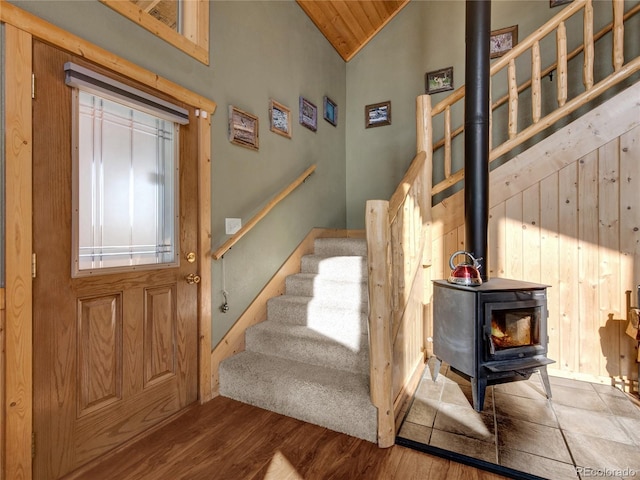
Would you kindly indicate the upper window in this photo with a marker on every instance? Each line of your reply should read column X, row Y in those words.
column 182, row 23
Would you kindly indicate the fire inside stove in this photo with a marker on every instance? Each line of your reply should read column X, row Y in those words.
column 511, row 329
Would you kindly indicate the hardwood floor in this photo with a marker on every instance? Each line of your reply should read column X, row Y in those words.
column 225, row 439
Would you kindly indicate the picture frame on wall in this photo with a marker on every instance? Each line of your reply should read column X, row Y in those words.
column 279, row 119
column 503, row 40
column 439, row 80
column 377, row 114
column 243, row 128
column 308, row 114
column 330, row 111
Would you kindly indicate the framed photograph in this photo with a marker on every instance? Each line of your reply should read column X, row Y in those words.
column 330, row 111
column 503, row 40
column 439, row 80
column 555, row 3
column 243, row 128
column 279, row 119
column 308, row 114
column 377, row 114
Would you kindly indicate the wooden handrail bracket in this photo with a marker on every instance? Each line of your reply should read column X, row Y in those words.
column 262, row 213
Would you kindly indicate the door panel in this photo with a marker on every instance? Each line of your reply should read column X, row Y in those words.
column 100, row 373
column 114, row 353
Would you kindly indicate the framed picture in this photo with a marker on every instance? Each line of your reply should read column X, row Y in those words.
column 279, row 119
column 377, row 114
column 243, row 128
column 330, row 111
column 308, row 114
column 439, row 80
column 503, row 40
column 555, row 3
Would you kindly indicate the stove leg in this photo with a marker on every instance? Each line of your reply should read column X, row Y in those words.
column 437, row 363
column 545, row 380
column 478, row 387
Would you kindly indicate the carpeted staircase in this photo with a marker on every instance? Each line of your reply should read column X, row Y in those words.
column 310, row 358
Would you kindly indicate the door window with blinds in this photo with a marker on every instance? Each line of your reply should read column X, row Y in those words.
column 125, row 176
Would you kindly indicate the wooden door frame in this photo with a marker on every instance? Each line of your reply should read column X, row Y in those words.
column 16, row 380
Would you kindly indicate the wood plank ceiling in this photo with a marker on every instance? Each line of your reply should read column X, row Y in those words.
column 347, row 24
column 350, row 24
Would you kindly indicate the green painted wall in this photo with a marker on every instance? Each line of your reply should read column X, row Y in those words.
column 259, row 50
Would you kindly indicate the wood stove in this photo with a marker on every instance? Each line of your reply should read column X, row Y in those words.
column 495, row 332
column 492, row 333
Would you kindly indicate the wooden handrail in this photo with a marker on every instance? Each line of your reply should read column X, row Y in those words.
column 262, row 213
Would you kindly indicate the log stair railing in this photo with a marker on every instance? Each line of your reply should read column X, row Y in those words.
column 580, row 9
column 398, row 231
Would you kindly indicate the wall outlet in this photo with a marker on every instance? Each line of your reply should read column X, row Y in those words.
column 232, row 225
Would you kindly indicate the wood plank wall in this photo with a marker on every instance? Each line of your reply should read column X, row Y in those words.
column 573, row 226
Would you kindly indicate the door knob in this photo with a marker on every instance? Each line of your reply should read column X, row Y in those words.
column 191, row 257
column 192, row 278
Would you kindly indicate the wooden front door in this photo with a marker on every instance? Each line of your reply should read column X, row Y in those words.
column 116, row 353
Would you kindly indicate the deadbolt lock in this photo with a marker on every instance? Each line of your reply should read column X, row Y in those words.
column 192, row 278
column 191, row 257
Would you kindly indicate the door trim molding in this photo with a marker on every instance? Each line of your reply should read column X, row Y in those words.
column 17, row 399
column 18, row 387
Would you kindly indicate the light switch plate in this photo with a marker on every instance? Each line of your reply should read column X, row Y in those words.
column 232, row 225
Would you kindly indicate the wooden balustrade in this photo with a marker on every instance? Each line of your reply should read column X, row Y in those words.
column 398, row 246
column 517, row 134
column 396, row 232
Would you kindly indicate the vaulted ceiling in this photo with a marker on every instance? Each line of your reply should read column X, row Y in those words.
column 350, row 24
column 347, row 24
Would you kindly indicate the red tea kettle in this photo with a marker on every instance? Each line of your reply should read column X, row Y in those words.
column 465, row 273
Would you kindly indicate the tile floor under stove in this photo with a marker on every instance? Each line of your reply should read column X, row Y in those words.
column 585, row 430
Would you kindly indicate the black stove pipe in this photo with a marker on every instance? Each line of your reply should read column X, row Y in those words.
column 476, row 130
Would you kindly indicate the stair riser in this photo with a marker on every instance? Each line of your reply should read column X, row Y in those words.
column 349, row 294
column 316, row 315
column 341, row 246
column 344, row 268
column 325, row 353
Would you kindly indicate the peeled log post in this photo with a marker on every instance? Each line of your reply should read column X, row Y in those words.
column 513, row 99
column 618, row 34
column 447, row 141
column 561, row 40
column 424, row 134
column 380, row 347
column 587, row 68
column 536, row 88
